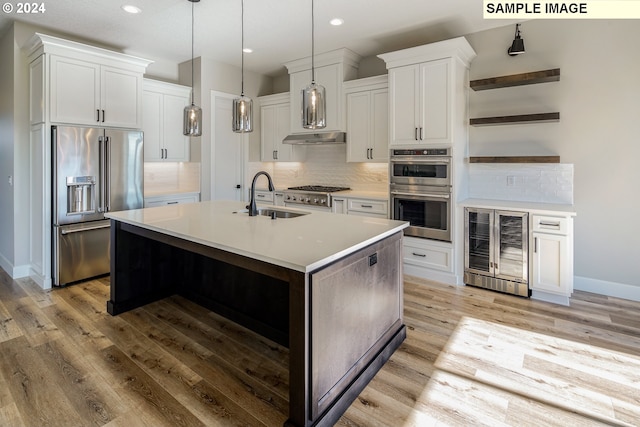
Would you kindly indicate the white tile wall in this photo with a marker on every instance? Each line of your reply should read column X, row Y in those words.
column 543, row 183
column 325, row 165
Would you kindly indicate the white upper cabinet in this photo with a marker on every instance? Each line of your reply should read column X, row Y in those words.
column 331, row 70
column 367, row 119
column 274, row 127
column 163, row 106
column 85, row 85
column 427, row 92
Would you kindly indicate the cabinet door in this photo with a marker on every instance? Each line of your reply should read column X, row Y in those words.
column 434, row 121
column 379, row 139
column 404, row 104
column 549, row 269
column 120, row 94
column 327, row 76
column 267, row 133
column 176, row 144
column 282, row 127
column 75, row 91
column 152, row 126
column 359, row 126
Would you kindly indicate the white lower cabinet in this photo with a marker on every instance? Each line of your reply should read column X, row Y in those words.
column 367, row 207
column 171, row 199
column 427, row 254
column 552, row 258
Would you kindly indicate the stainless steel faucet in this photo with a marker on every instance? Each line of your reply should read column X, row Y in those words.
column 253, row 210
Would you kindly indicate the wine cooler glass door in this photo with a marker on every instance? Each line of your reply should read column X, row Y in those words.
column 479, row 241
column 512, row 246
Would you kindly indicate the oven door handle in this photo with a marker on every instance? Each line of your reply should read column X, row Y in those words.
column 437, row 196
column 436, row 161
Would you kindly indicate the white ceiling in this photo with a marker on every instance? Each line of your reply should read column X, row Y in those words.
column 277, row 30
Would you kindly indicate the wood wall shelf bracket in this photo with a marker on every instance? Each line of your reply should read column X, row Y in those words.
column 517, row 119
column 535, row 77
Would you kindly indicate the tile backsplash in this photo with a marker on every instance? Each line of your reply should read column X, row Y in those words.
column 325, row 165
column 171, row 177
column 542, row 183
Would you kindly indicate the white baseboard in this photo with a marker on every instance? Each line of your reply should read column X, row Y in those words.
column 16, row 272
column 604, row 287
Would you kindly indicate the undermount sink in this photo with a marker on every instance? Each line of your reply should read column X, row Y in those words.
column 275, row 213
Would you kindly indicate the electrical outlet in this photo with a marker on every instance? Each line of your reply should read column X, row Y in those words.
column 511, row 181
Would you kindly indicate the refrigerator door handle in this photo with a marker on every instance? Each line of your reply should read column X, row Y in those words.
column 79, row 230
column 101, row 162
column 107, row 174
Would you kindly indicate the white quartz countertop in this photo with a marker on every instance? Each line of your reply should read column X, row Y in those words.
column 533, row 207
column 304, row 243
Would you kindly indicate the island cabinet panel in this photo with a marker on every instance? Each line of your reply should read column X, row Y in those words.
column 356, row 306
column 341, row 321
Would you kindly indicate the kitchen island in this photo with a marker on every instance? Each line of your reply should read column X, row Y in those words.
column 329, row 287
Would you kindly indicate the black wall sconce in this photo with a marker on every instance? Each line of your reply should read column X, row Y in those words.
column 517, row 47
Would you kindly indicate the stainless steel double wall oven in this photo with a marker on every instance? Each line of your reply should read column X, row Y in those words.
column 420, row 191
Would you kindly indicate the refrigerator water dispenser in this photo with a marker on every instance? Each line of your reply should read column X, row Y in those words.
column 81, row 195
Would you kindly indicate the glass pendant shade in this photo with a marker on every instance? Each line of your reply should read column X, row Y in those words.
column 242, row 114
column 192, row 120
column 313, row 107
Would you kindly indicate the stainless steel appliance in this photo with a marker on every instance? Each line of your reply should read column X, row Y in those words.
column 496, row 247
column 420, row 191
column 96, row 170
column 430, row 166
column 311, row 196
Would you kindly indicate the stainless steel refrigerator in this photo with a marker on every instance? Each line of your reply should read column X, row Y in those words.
column 95, row 170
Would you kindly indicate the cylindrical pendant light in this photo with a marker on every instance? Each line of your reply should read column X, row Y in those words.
column 313, row 96
column 243, row 106
column 192, row 119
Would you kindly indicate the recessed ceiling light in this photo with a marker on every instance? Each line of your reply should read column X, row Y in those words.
column 247, row 50
column 131, row 9
column 337, row 21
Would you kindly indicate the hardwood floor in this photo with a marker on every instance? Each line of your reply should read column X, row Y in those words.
column 65, row 362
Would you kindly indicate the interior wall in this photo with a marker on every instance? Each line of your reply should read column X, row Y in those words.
column 214, row 75
column 6, row 152
column 597, row 97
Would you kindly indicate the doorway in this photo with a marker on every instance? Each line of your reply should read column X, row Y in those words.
column 229, row 151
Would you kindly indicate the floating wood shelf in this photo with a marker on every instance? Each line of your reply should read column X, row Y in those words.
column 543, row 76
column 515, row 159
column 518, row 119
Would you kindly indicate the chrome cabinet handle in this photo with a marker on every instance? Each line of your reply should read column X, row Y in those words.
column 102, row 116
column 421, row 134
column 420, row 255
column 97, row 115
column 535, row 245
column 416, row 134
column 366, row 206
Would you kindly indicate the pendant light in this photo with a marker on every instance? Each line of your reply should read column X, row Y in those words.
column 313, row 98
column 243, row 106
column 517, row 47
column 192, row 121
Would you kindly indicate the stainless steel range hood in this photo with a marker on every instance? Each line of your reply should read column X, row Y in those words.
column 316, row 138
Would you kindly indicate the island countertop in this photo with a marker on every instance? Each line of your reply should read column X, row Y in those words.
column 303, row 243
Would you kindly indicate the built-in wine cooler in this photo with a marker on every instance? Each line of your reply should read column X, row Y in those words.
column 496, row 250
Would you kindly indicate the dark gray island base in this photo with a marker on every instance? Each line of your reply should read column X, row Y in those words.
column 341, row 322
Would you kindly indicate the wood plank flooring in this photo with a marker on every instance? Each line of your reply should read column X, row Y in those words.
column 65, row 362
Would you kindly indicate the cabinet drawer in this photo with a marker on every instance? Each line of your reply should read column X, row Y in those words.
column 151, row 202
column 428, row 254
column 263, row 196
column 550, row 224
column 378, row 207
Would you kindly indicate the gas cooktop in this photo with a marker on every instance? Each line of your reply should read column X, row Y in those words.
column 318, row 188
column 311, row 195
